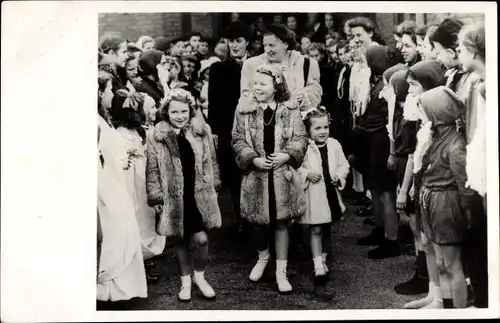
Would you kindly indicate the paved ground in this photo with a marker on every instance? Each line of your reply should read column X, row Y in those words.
column 355, row 281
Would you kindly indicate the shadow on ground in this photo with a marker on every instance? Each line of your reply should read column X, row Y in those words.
column 355, row 281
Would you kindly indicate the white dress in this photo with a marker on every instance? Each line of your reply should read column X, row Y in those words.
column 121, row 274
column 318, row 209
column 152, row 243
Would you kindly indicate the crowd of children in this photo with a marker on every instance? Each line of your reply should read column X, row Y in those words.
column 315, row 114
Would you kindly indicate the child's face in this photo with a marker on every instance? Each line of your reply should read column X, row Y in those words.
column 131, row 69
column 203, row 48
column 319, row 129
column 446, row 56
column 149, row 45
column 316, row 55
column 466, row 58
column 150, row 111
column 409, row 48
column 263, row 87
column 107, row 96
column 415, row 88
column 344, row 56
column 304, row 43
column 178, row 114
column 188, row 67
column 194, row 41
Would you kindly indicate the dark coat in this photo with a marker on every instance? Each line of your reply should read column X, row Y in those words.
column 223, row 96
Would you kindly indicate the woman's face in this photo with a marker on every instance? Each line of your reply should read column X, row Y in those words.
column 120, row 55
column 291, row 23
column 304, row 43
column 319, row 129
column 178, row 114
column 275, row 48
column 235, row 16
column 238, row 47
column 263, row 87
column 277, row 19
column 329, row 21
column 409, row 48
column 149, row 45
column 420, row 46
column 428, row 49
column 107, row 95
column 415, row 88
column 445, row 55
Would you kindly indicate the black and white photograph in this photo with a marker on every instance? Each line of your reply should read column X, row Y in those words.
column 301, row 160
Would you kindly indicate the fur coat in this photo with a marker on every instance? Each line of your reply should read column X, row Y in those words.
column 248, row 143
column 293, row 71
column 318, row 210
column 165, row 181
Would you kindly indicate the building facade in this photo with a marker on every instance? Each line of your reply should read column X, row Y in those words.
column 173, row 24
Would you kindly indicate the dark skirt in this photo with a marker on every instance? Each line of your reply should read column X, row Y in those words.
column 442, row 219
column 371, row 161
column 333, row 202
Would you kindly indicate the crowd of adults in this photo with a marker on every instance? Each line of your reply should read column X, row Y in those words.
column 410, row 119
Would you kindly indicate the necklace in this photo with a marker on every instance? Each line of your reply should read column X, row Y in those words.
column 270, row 120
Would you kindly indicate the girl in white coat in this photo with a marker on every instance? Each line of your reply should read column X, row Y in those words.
column 323, row 173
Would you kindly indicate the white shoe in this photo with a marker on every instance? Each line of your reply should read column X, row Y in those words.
column 258, row 270
column 435, row 304
column 203, row 285
column 185, row 292
column 283, row 283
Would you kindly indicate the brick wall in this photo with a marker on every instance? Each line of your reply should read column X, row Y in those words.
column 134, row 25
column 465, row 17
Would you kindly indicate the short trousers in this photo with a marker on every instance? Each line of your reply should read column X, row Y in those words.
column 442, row 219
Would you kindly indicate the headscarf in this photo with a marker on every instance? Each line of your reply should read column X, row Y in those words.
column 393, row 69
column 378, row 59
column 148, row 61
column 428, row 73
column 399, row 88
column 442, row 107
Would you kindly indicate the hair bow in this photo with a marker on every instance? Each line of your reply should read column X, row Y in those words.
column 312, row 111
column 265, row 69
column 132, row 98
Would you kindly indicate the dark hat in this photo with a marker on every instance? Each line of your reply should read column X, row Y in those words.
column 162, row 43
column 148, row 61
column 236, row 30
column 447, row 33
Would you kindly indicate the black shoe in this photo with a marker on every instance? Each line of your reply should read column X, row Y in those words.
column 374, row 239
column 387, row 249
column 414, row 286
column 406, row 235
column 152, row 277
column 369, row 221
column 362, row 201
column 471, row 297
column 364, row 212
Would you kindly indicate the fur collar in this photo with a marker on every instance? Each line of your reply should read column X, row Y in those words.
column 252, row 106
column 163, row 129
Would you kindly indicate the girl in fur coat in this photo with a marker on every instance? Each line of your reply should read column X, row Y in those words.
column 181, row 180
column 323, row 173
column 269, row 140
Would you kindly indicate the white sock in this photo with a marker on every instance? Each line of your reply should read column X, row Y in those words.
column 467, row 280
column 318, row 263
column 281, row 265
column 186, row 280
column 199, row 275
column 437, row 294
column 264, row 255
column 323, row 256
